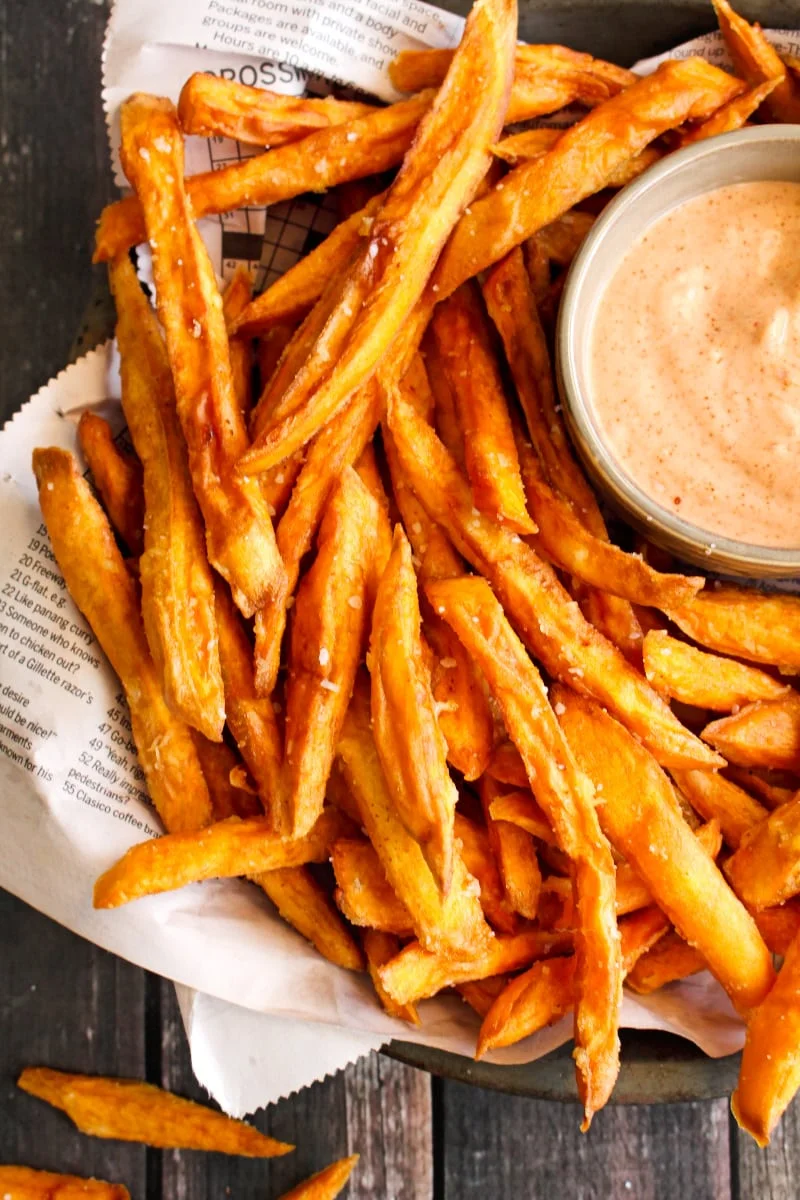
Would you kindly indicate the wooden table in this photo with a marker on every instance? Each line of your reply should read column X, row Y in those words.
column 64, row 1003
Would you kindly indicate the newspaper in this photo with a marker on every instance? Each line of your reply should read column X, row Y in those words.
column 265, row 1014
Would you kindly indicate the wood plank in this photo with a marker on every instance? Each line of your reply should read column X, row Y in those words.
column 67, row 1004
column 390, row 1124
column 56, row 178
column 495, row 1145
column 769, row 1174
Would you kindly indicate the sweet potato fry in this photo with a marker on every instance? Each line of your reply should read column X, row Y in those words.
column 716, row 798
column 758, row 626
column 546, row 78
column 415, row 974
column 105, row 593
column 235, row 299
column 220, row 766
column 327, row 643
column 769, row 1074
column 520, row 808
column 685, row 673
column 212, row 107
column 23, row 1183
column 669, row 960
column 473, row 373
column 732, row 115
column 507, row 766
column 773, row 788
column 130, row 1111
column 779, row 926
column 239, row 535
column 117, row 477
column 293, row 295
column 480, row 994
column 439, row 176
column 177, row 588
column 251, row 720
column 451, row 924
column 764, row 734
column 566, row 796
column 547, row 991
column 223, row 850
column 410, row 744
column 632, row 891
column 270, row 347
column 476, row 851
column 580, row 164
column 757, row 61
column 320, row 161
column 337, row 446
column 533, row 143
column 643, row 822
column 363, row 893
column 563, row 238
column 515, row 852
column 549, row 621
column 564, row 540
column 380, row 948
column 369, row 473
column 326, row 1184
column 765, row 870
column 307, row 907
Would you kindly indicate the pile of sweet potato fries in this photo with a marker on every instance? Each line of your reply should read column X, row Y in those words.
column 381, row 656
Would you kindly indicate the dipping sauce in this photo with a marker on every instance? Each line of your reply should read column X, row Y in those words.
column 694, row 362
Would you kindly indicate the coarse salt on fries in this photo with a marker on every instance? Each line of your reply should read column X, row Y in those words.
column 177, row 588
column 747, row 624
column 692, row 676
column 438, row 178
column 105, row 593
column 226, row 849
column 765, row 869
column 363, row 892
column 239, row 535
column 326, row 1184
column 717, row 798
column 669, row 960
column 24, row 1183
column 130, row 1111
column 764, row 734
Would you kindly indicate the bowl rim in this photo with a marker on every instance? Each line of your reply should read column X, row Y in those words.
column 712, row 550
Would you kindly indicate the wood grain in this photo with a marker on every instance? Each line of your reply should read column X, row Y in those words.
column 773, row 1173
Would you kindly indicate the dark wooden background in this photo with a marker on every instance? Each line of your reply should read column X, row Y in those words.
column 64, row 1003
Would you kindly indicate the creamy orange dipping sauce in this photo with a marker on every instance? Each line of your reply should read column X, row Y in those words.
column 694, row 365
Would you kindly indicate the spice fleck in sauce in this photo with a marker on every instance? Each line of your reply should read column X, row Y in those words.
column 695, row 362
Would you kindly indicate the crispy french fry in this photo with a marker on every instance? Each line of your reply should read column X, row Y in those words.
column 632, row 891
column 765, row 870
column 320, row 161
column 769, row 1074
column 473, row 373
column 480, row 994
column 515, row 852
column 779, row 926
column 580, row 164
column 130, row 1111
column 415, row 974
column 220, row 765
column 445, row 416
column 451, row 924
column 209, row 106
column 549, row 621
column 379, row 948
column 546, row 78
column 363, row 892
column 338, row 445
column 563, row 238
column 754, row 625
column 520, row 808
column 293, row 295
column 307, row 907
column 177, row 588
column 643, row 822
column 410, row 744
column 533, row 143
column 24, row 1183
column 507, row 766
column 669, row 960
column 764, row 734
column 547, row 991
column 326, row 1184
column 270, row 347
column 692, row 676
column 476, row 850
column 327, row 642
column 716, row 798
column 769, row 786
column 105, row 593
column 223, row 850
column 732, row 115
column 235, row 299
column 564, row 540
column 251, row 719
column 439, row 176
column 239, row 535
column 118, row 478
column 368, row 472
column 566, row 796
column 758, row 62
